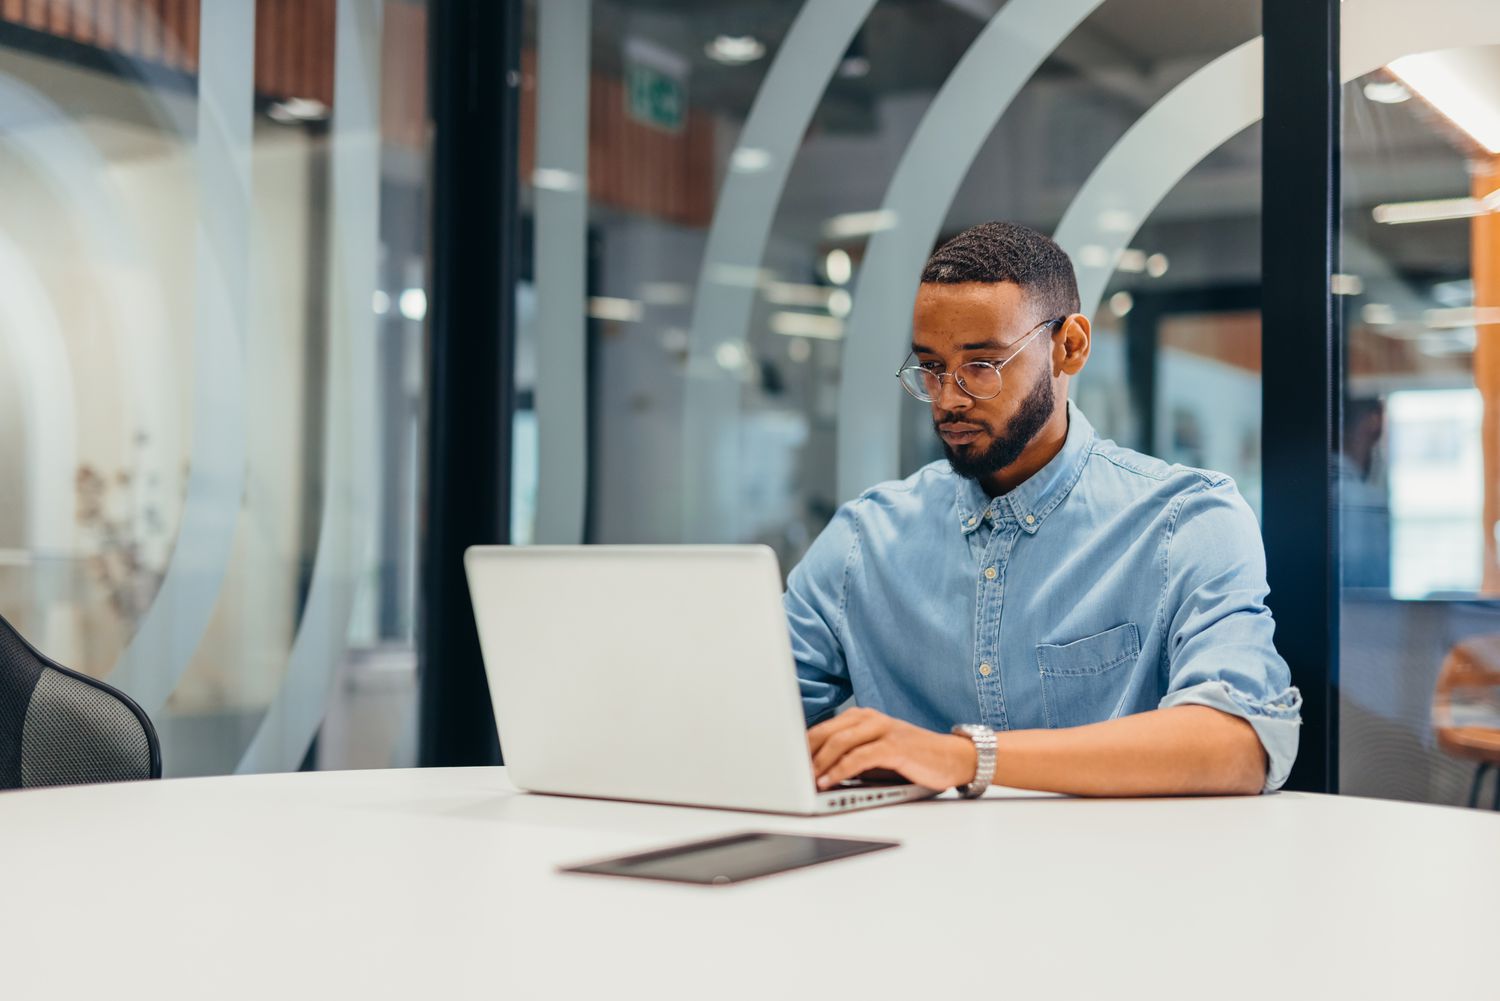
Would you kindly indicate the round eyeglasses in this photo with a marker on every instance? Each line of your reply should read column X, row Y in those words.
column 979, row 379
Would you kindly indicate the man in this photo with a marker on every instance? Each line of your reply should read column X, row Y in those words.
column 1089, row 620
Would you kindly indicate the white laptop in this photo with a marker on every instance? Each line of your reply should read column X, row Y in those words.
column 654, row 673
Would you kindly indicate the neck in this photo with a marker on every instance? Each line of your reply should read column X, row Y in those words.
column 1042, row 450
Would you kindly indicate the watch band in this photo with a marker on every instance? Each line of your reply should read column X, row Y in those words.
column 984, row 743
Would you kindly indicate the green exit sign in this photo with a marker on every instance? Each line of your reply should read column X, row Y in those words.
column 654, row 98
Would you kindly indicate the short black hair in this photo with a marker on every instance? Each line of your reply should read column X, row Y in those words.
column 1005, row 252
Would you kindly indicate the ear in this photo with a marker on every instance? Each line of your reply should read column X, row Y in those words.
column 1071, row 344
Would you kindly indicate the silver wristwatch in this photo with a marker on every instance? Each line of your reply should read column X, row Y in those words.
column 984, row 742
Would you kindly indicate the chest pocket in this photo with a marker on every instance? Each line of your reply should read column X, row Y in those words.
column 1086, row 681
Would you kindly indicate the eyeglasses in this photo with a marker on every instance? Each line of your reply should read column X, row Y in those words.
column 979, row 379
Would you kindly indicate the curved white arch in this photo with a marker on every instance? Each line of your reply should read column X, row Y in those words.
column 349, row 464
column 32, row 335
column 727, row 282
column 954, row 128
column 67, row 162
column 172, row 629
column 561, row 211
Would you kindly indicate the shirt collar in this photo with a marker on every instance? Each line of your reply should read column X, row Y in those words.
column 1031, row 502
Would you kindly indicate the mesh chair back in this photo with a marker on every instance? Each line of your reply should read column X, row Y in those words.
column 59, row 727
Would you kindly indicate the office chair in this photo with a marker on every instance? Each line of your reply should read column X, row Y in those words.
column 59, row 727
column 1469, row 680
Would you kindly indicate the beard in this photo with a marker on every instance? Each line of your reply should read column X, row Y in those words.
column 1005, row 449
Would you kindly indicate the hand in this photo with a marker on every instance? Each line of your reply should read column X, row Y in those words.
column 861, row 739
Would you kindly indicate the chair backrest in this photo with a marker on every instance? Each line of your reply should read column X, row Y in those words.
column 59, row 727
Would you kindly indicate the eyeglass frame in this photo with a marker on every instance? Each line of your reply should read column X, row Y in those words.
column 1024, row 342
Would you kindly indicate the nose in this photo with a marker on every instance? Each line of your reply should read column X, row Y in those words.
column 951, row 398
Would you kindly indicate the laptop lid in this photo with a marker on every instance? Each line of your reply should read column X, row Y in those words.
column 656, row 673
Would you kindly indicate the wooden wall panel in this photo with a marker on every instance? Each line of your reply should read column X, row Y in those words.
column 60, row 17
column 403, row 76
column 632, row 166
column 1484, row 261
column 635, row 167
column 293, row 38
column 84, row 19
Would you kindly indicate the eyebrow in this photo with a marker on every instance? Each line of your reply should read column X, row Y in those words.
column 922, row 349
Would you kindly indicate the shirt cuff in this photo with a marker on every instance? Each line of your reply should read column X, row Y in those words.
column 1277, row 721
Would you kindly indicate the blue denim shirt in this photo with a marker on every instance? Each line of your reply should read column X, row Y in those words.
column 1108, row 583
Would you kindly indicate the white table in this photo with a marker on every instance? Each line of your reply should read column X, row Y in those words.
column 442, row 883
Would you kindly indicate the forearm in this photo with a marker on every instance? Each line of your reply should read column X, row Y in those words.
column 1184, row 750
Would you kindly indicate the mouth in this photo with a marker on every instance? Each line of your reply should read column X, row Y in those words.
column 959, row 434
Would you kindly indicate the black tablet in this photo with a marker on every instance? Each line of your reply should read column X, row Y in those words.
column 732, row 859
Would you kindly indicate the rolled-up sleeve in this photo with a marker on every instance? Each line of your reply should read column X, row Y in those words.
column 814, row 600
column 1218, row 629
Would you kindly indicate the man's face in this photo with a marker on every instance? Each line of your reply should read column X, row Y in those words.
column 976, row 321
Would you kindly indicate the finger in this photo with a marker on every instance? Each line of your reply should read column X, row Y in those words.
column 861, row 759
column 844, row 741
column 818, row 734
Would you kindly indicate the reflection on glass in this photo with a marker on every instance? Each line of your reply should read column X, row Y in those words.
column 174, row 306
column 1416, row 469
column 758, row 459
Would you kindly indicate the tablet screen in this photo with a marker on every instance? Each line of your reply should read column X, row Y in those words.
column 732, row 859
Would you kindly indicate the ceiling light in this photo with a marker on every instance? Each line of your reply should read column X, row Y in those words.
column 793, row 294
column 1387, row 91
column 730, row 356
column 1435, row 210
column 1378, row 314
column 381, row 302
column 1121, row 303
column 735, row 50
column 1156, row 265
column 853, row 224
column 1132, row 261
column 603, row 307
column 1460, row 316
column 1460, row 85
column 828, row 328
column 296, row 110
column 838, row 267
column 553, row 179
column 749, row 160
column 840, row 303
column 413, row 304
column 1347, row 285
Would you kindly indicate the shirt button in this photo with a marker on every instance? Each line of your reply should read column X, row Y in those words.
column 989, row 573
column 985, row 670
column 974, row 520
column 1031, row 519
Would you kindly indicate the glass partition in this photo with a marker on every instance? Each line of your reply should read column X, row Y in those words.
column 1416, row 462
column 213, row 240
column 731, row 211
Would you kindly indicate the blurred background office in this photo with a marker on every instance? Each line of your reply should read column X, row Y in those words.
column 216, row 248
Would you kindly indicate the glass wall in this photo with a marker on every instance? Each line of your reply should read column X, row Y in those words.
column 1417, row 463
column 732, row 203
column 212, row 236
